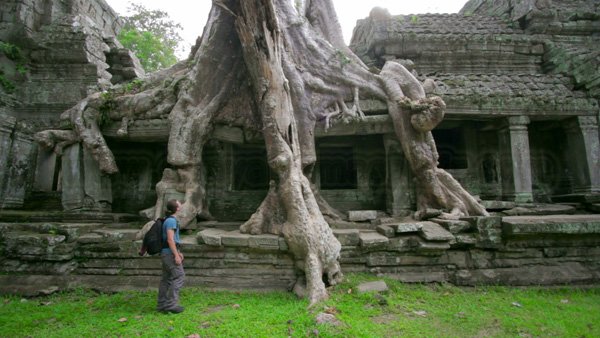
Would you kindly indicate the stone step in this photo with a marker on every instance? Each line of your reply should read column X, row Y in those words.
column 66, row 217
column 551, row 225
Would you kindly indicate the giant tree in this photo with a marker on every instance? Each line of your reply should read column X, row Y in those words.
column 278, row 67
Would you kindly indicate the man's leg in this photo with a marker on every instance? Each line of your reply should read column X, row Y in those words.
column 165, row 283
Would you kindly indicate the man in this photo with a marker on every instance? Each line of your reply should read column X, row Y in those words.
column 172, row 263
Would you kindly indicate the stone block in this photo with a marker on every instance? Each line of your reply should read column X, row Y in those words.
column 559, row 274
column 401, row 244
column 211, row 237
column 551, row 225
column 235, row 239
column 376, row 286
column 362, row 215
column 403, row 228
column 498, row 205
column 466, row 239
column 90, row 238
column 266, row 241
column 452, row 225
column 372, row 240
column 433, row 232
column 386, row 231
column 283, row 244
column 489, row 232
column 347, row 237
column 117, row 234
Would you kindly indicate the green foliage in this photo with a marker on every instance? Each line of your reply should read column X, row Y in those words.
column 414, row 19
column 342, row 58
column 414, row 310
column 107, row 106
column 13, row 53
column 152, row 36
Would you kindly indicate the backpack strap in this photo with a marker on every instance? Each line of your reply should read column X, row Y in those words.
column 165, row 245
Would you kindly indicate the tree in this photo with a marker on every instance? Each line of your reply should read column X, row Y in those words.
column 277, row 66
column 152, row 36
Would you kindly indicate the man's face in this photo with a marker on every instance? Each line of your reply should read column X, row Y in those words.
column 178, row 206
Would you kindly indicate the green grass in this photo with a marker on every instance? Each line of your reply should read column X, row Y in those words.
column 410, row 310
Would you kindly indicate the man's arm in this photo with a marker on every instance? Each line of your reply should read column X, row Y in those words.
column 173, row 247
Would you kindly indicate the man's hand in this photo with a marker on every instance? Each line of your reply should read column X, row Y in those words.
column 178, row 258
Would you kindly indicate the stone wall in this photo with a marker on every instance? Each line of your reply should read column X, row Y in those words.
column 67, row 50
column 509, row 250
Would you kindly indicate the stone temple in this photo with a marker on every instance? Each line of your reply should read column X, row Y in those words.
column 521, row 81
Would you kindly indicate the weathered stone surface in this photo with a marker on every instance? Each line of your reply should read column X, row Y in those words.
column 498, row 205
column 266, row 241
column 376, row 286
column 454, row 226
column 372, row 240
column 489, row 232
column 543, row 209
column 235, row 238
column 433, row 232
column 402, row 244
column 419, row 277
column 433, row 248
column 527, row 275
column 327, row 318
column 117, row 234
column 551, row 225
column 211, row 236
column 347, row 237
column 466, row 239
column 386, row 231
column 403, row 228
column 362, row 215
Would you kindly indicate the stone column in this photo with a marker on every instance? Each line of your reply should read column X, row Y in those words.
column 400, row 190
column 584, row 154
column 7, row 125
column 85, row 187
column 18, row 176
column 516, row 160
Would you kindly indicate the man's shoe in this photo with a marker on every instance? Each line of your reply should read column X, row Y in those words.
column 176, row 309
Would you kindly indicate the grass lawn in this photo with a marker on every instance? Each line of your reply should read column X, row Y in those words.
column 410, row 310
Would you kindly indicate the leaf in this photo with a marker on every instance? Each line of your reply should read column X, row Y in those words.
column 564, row 301
column 235, row 306
column 517, row 304
column 195, row 335
column 122, row 320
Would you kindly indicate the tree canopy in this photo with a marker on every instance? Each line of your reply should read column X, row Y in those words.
column 152, row 36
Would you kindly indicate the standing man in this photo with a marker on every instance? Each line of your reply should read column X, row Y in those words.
column 172, row 263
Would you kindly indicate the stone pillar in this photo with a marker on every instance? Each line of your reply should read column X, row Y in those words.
column 18, row 175
column 516, row 160
column 400, row 190
column 85, row 187
column 7, row 125
column 584, row 154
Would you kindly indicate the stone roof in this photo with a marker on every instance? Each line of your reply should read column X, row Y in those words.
column 451, row 24
column 527, row 92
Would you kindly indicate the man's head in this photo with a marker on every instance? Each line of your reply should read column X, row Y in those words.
column 172, row 207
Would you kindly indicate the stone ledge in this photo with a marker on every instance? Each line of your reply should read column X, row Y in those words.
column 551, row 225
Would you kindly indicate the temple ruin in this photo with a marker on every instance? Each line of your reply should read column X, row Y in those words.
column 521, row 88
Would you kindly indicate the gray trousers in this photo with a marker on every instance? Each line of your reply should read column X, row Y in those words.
column 171, row 282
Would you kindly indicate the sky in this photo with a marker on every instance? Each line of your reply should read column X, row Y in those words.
column 192, row 14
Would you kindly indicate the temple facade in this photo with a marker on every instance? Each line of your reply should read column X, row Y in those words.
column 521, row 88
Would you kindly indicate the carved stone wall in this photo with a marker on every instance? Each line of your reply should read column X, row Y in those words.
column 510, row 250
column 513, row 71
column 67, row 50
